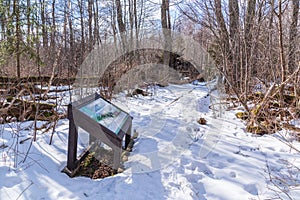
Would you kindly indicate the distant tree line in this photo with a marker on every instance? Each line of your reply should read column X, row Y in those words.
column 39, row 37
column 251, row 38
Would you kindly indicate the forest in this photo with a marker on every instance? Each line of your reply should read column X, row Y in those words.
column 208, row 91
column 252, row 43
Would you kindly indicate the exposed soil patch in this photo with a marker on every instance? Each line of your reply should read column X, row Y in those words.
column 99, row 161
column 97, row 164
column 93, row 168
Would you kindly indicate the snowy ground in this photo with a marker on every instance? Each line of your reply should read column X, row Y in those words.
column 173, row 158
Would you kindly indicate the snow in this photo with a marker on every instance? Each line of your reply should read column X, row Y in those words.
column 54, row 88
column 173, row 158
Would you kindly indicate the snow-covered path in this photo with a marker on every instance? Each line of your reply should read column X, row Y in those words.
column 173, row 158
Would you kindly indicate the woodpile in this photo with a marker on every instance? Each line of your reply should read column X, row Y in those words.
column 26, row 101
column 22, row 110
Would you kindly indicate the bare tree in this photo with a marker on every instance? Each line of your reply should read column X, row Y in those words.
column 82, row 28
column 28, row 13
column 71, row 33
column 16, row 12
column 97, row 38
column 166, row 25
column 282, row 62
column 293, row 37
column 235, row 39
column 121, row 25
column 44, row 25
column 90, row 21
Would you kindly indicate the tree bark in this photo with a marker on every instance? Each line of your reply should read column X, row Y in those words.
column 16, row 11
column 121, row 25
column 249, row 23
column 280, row 40
column 90, row 20
column 136, row 24
column 224, row 36
column 53, row 29
column 96, row 25
column 71, row 36
column 235, row 41
column 44, row 25
column 166, row 25
column 28, row 12
column 281, row 52
column 293, row 38
column 82, row 26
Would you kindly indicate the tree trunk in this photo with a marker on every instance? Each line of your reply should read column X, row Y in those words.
column 71, row 36
column 96, row 25
column 280, row 40
column 3, row 17
column 136, row 24
column 53, row 30
column 28, row 12
column 113, row 25
column 166, row 25
column 90, row 20
column 81, row 11
column 224, row 38
column 293, row 38
column 65, row 36
column 270, row 39
column 131, row 22
column 281, row 52
column 249, row 23
column 235, row 41
column 121, row 25
column 44, row 25
column 16, row 11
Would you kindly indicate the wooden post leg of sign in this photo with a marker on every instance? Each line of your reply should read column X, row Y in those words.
column 117, row 158
column 72, row 144
column 127, row 137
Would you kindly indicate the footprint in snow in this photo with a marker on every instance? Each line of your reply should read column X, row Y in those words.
column 232, row 174
column 230, row 160
column 251, row 188
column 217, row 164
column 193, row 165
column 205, row 170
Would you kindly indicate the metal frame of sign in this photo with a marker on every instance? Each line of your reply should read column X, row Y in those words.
column 78, row 118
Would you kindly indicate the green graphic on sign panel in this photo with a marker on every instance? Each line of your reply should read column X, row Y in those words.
column 105, row 114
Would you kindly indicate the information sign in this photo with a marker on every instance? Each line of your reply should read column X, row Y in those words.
column 103, row 121
column 106, row 114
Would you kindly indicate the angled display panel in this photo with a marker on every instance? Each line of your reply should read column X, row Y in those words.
column 103, row 121
column 105, row 114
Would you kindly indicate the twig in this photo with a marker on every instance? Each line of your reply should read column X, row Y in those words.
column 53, row 73
column 181, row 96
column 31, row 183
column 274, row 184
column 5, row 110
column 28, row 150
column 287, row 80
column 35, row 161
column 287, row 143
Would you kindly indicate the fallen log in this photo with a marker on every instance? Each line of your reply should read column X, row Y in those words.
column 22, row 110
